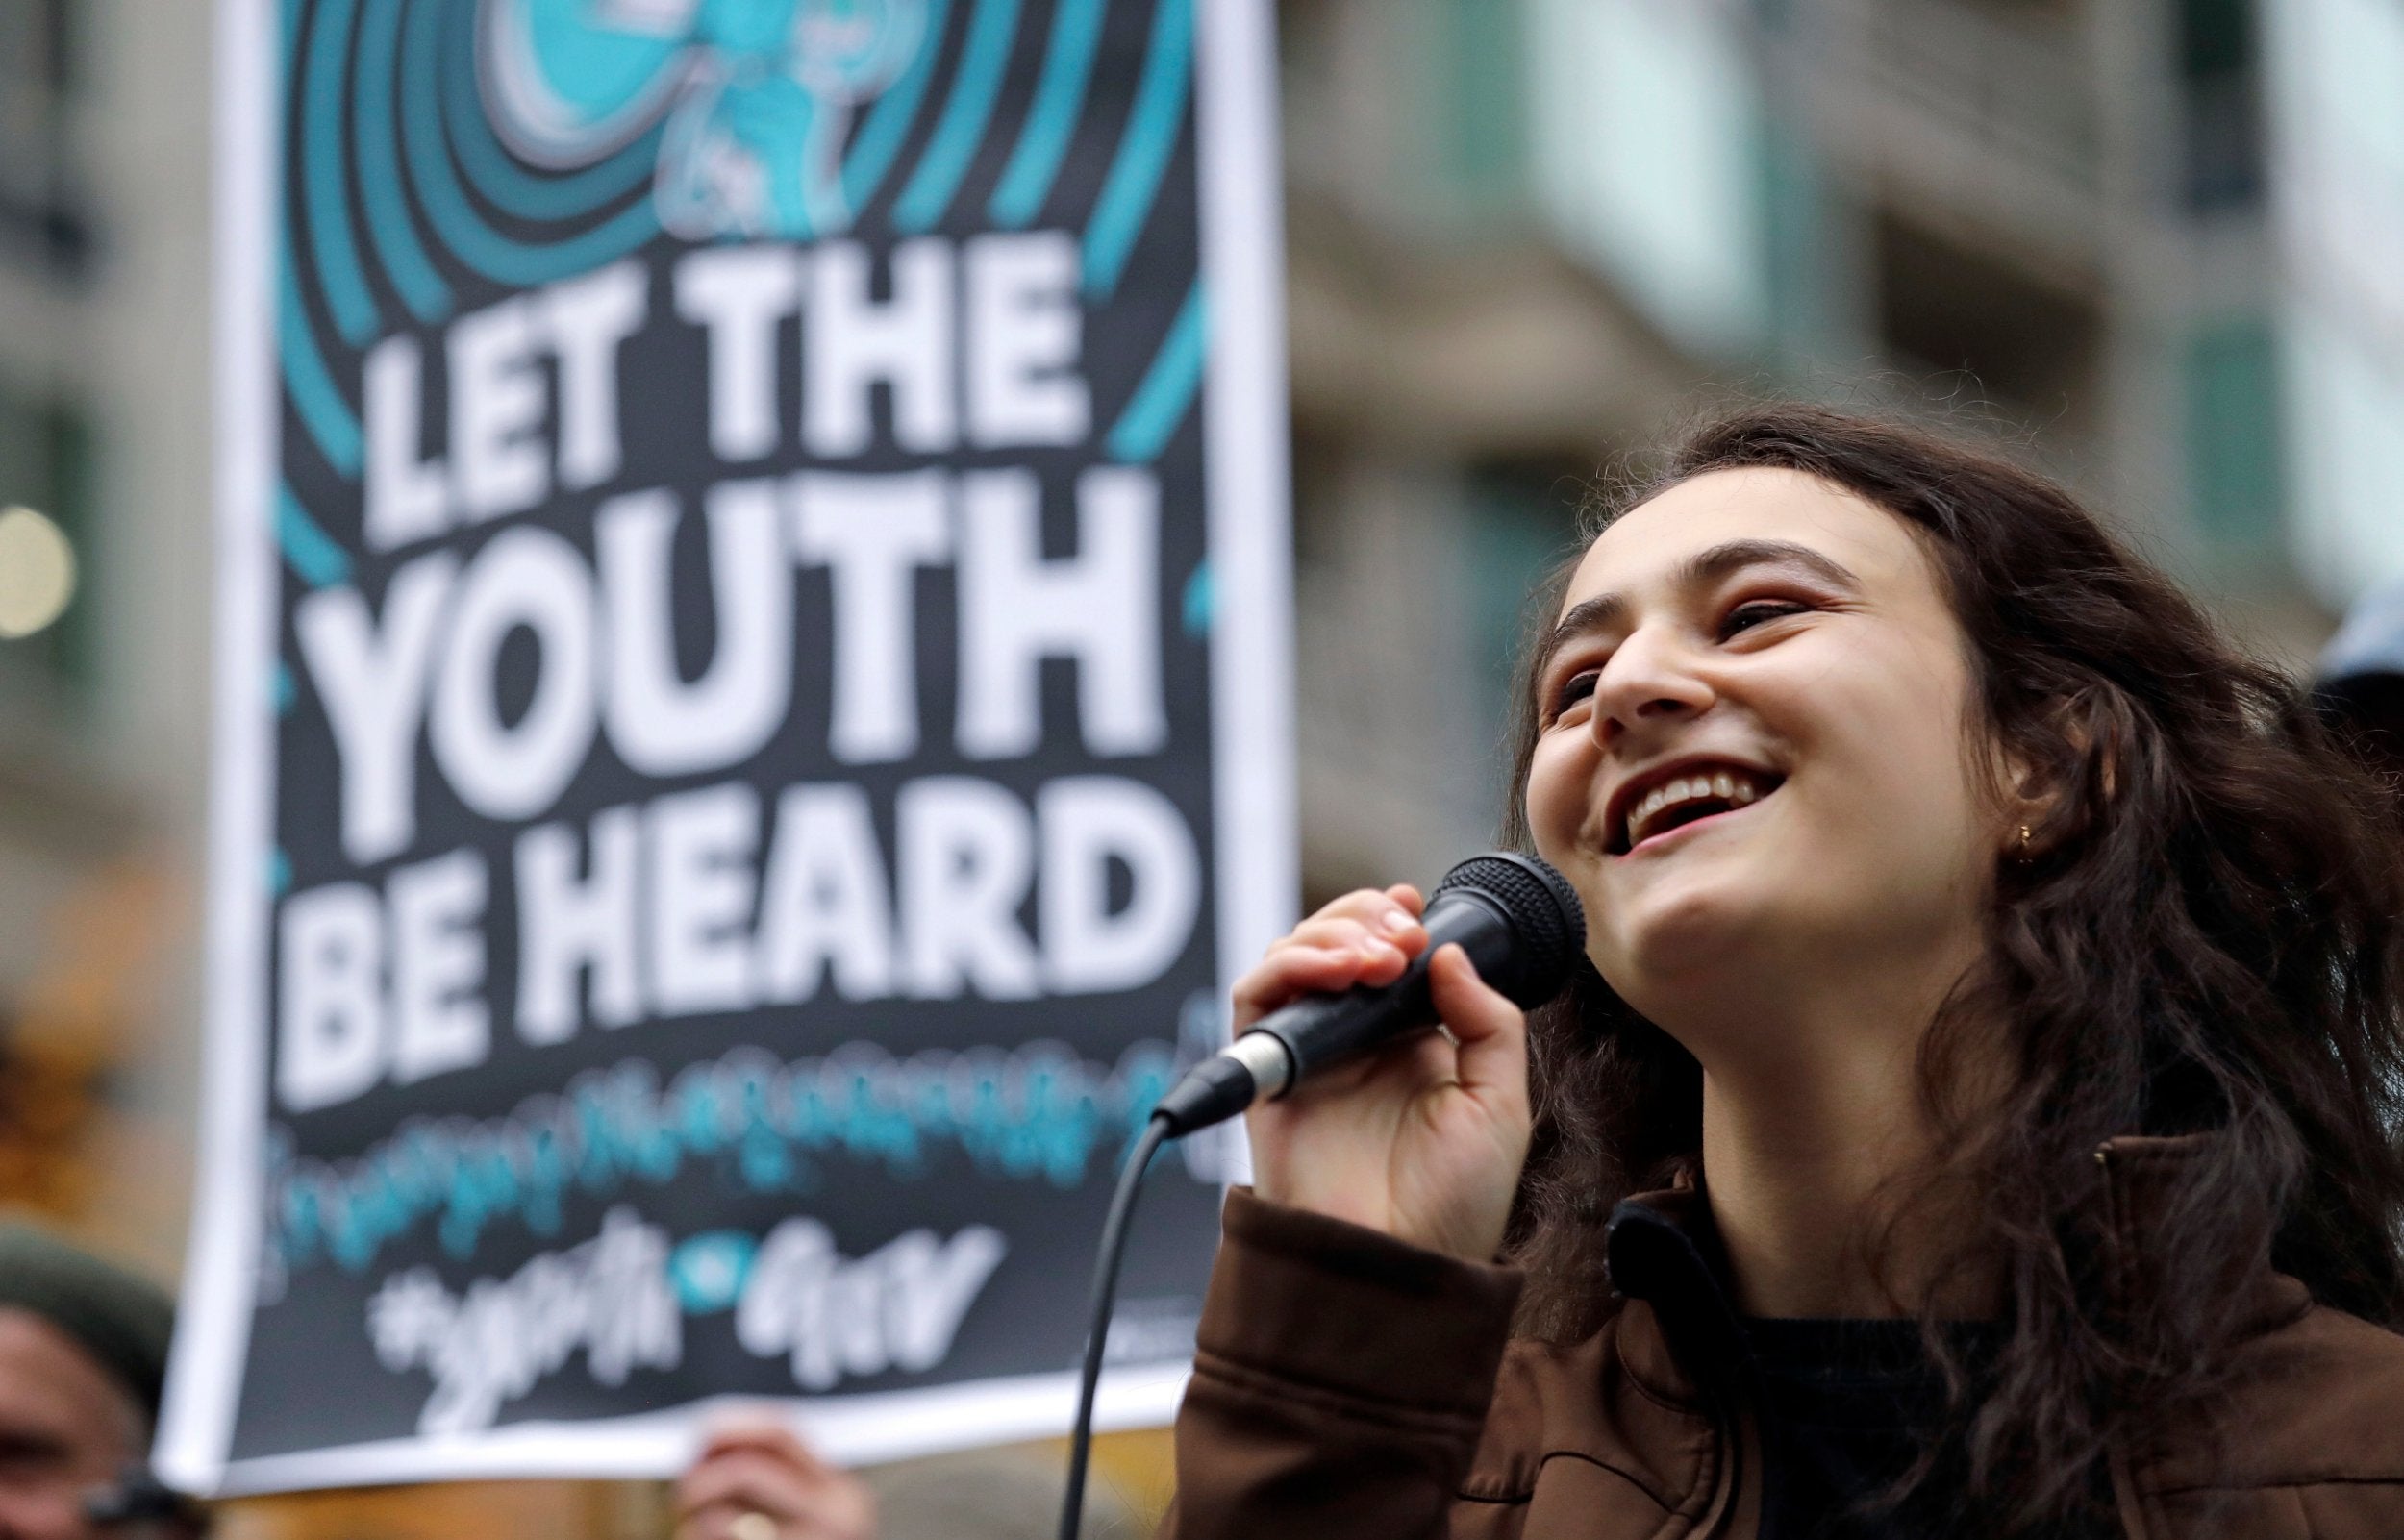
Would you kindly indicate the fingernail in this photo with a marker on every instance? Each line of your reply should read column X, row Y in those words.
column 1399, row 921
column 1379, row 951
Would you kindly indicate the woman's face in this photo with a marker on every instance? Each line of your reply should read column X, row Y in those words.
column 1752, row 761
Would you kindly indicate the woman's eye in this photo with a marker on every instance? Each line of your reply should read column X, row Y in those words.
column 1575, row 688
column 1745, row 616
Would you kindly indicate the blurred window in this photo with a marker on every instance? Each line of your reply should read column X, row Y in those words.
column 2012, row 77
column 1646, row 157
column 40, row 212
column 47, row 470
column 1412, row 113
column 1482, row 94
column 2233, row 440
column 2332, row 69
column 1317, row 497
column 1521, row 522
column 2221, row 105
column 1308, row 125
column 1798, row 214
column 2021, row 342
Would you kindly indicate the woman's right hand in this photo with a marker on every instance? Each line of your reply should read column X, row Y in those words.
column 1423, row 1140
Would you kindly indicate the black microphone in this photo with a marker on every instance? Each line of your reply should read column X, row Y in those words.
column 1518, row 920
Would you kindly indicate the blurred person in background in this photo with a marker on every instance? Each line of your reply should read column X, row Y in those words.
column 2360, row 684
column 82, row 1355
column 756, row 1479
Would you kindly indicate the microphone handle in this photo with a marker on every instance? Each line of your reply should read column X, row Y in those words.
column 1323, row 1030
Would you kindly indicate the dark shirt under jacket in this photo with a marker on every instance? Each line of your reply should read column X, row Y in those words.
column 1847, row 1407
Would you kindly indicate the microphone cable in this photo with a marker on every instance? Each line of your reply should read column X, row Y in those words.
column 1524, row 929
column 1157, row 1131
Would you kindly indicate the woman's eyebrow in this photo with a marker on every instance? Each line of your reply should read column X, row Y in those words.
column 1732, row 556
column 1587, row 615
column 1606, row 610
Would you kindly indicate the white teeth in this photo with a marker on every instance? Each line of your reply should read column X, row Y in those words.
column 1734, row 787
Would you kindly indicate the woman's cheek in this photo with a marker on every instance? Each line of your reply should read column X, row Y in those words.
column 1556, row 802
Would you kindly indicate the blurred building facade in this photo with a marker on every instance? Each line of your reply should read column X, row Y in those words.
column 2337, row 182
column 1528, row 235
column 104, row 678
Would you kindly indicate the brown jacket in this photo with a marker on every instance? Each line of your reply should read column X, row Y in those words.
column 1349, row 1386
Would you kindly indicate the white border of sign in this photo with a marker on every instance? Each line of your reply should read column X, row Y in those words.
column 1252, row 727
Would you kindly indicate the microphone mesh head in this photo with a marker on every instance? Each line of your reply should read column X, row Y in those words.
column 1544, row 912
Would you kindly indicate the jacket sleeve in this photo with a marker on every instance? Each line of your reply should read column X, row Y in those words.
column 1340, row 1380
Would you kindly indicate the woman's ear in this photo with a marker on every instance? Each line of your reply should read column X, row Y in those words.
column 2047, row 784
column 2030, row 796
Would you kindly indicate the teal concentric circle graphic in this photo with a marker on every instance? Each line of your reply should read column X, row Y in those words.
column 442, row 151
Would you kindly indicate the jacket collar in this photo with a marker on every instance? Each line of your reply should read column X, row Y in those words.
column 2139, row 1186
column 1665, row 1258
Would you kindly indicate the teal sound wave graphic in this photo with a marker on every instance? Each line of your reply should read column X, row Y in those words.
column 1143, row 151
column 375, row 136
column 960, row 129
column 1052, row 121
column 757, row 1123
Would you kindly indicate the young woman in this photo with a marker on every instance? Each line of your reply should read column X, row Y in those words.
column 1978, row 1118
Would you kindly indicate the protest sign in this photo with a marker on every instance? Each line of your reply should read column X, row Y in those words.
column 752, row 716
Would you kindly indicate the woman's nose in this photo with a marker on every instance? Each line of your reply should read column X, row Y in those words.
column 1650, row 680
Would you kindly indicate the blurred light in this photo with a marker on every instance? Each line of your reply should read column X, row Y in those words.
column 37, row 572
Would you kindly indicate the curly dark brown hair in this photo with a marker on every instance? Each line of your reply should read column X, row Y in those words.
column 2208, row 940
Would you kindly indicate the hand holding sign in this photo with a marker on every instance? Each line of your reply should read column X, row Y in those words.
column 755, row 1480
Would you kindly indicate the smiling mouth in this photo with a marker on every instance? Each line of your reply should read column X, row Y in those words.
column 1687, row 797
